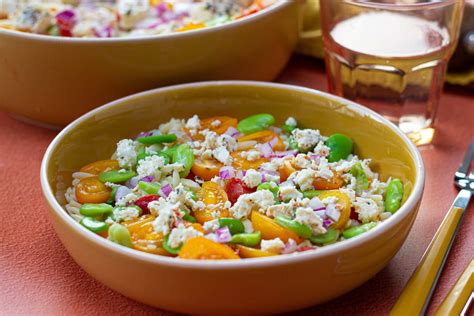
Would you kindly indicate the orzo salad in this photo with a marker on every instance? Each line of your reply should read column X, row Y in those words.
column 219, row 188
column 121, row 18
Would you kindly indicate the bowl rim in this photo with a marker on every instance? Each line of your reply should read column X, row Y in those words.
column 279, row 5
column 409, row 206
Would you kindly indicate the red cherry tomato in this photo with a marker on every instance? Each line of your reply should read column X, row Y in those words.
column 236, row 188
column 144, row 200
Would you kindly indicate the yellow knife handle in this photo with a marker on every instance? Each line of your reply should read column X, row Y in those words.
column 457, row 297
column 416, row 295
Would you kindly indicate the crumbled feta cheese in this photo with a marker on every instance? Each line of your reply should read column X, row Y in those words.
column 127, row 199
column 248, row 227
column 132, row 11
column 166, row 215
column 304, row 179
column 261, row 199
column 215, row 123
column 211, row 226
column 127, row 153
column 252, row 178
column 172, row 125
column 291, row 121
column 321, row 149
column 301, row 161
column 324, row 171
column 222, row 155
column 151, row 166
column 273, row 245
column 251, row 155
column 125, row 214
column 367, row 209
column 289, row 192
column 306, row 216
column 227, row 141
column 306, row 138
column 181, row 235
column 283, row 209
column 332, row 208
column 193, row 123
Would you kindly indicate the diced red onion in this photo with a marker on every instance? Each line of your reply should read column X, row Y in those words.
column 166, row 189
column 103, row 32
column 148, row 179
column 161, row 8
column 281, row 154
column 327, row 222
column 266, row 149
column 233, row 132
column 290, row 247
column 320, row 209
column 321, row 213
column 143, row 134
column 132, row 183
column 273, row 142
column 275, row 129
column 121, row 192
column 226, row 172
column 263, row 178
column 65, row 19
column 223, row 235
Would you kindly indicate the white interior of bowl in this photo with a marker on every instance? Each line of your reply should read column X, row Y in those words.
column 407, row 207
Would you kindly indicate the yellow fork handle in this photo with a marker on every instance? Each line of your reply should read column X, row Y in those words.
column 416, row 295
column 457, row 297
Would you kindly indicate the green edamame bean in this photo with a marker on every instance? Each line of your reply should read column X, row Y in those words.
column 149, row 187
column 288, row 128
column 298, row 228
column 183, row 154
column 340, row 146
column 357, row 230
column 116, row 176
column 292, row 144
column 111, row 199
column 120, row 235
column 311, row 193
column 255, row 123
column 188, row 217
column 247, row 239
column 393, row 195
column 270, row 186
column 329, row 237
column 94, row 225
column 171, row 250
column 362, row 182
column 157, row 139
column 235, row 226
column 94, row 210
column 143, row 155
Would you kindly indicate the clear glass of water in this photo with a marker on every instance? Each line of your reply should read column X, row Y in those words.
column 391, row 56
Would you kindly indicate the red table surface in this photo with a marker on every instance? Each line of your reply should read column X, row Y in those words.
column 37, row 276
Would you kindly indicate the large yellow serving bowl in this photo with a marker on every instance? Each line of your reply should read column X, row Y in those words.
column 54, row 80
column 263, row 285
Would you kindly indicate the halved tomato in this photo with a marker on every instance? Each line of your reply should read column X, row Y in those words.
column 203, row 248
column 92, row 190
column 286, row 170
column 247, row 252
column 345, row 203
column 100, row 166
column 270, row 229
column 264, row 137
column 241, row 163
column 206, row 169
column 328, row 184
column 211, row 193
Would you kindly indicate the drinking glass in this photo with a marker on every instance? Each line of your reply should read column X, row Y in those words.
column 391, row 56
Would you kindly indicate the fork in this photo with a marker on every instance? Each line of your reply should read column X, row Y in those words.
column 416, row 295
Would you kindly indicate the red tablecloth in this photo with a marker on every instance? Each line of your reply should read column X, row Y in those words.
column 37, row 276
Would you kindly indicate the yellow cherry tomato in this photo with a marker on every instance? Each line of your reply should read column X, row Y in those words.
column 211, row 193
column 328, row 184
column 202, row 248
column 286, row 170
column 101, row 166
column 247, row 252
column 241, row 163
column 264, row 137
column 271, row 230
column 92, row 190
column 206, row 169
column 345, row 208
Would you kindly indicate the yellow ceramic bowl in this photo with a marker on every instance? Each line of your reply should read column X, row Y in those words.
column 261, row 285
column 54, row 80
